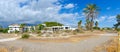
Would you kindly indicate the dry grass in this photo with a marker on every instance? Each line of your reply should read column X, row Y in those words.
column 3, row 50
column 5, row 35
column 73, row 39
column 110, row 46
column 10, row 50
column 19, row 50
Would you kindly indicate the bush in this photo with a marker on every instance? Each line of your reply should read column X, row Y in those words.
column 67, row 31
column 25, row 36
column 16, row 31
column 38, row 31
column 39, row 34
column 109, row 28
column 1, row 30
column 74, row 33
column 118, row 29
column 78, row 31
column 96, row 28
column 4, row 30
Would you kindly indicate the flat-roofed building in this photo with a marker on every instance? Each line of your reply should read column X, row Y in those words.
column 17, row 27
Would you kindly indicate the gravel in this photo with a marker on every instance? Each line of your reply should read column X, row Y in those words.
column 83, row 46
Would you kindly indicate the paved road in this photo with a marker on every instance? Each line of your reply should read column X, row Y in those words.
column 83, row 46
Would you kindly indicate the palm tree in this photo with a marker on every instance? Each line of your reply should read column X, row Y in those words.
column 79, row 24
column 87, row 24
column 91, row 12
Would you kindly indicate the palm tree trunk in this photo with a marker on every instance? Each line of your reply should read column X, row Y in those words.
column 91, row 24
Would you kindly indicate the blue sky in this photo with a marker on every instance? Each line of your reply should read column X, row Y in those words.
column 107, row 13
column 68, row 12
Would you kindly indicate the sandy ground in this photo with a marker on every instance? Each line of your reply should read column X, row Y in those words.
column 85, row 45
column 6, row 35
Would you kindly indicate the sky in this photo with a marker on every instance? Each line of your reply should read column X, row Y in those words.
column 67, row 12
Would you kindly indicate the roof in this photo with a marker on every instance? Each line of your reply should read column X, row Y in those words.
column 14, row 25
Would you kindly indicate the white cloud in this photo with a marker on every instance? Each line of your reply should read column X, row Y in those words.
column 69, row 6
column 107, row 19
column 34, row 11
column 102, row 18
column 111, row 19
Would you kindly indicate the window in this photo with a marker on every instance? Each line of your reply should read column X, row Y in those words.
column 66, row 27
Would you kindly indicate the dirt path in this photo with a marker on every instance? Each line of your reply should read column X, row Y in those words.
column 9, row 39
column 83, row 46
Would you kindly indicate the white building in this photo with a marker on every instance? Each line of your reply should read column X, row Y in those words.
column 54, row 28
column 16, row 27
column 62, row 28
column 57, row 28
column 13, row 28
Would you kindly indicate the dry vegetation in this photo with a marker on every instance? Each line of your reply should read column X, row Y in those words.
column 3, row 50
column 110, row 46
column 7, row 50
column 7, row 35
column 60, row 40
column 72, row 38
column 10, row 49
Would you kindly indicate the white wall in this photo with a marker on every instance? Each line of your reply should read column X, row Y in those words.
column 13, row 28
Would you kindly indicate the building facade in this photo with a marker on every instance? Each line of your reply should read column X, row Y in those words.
column 17, row 27
column 13, row 28
column 56, row 28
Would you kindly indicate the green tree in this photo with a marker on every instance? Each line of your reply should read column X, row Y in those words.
column 118, row 21
column 50, row 24
column 40, row 27
column 1, row 29
column 79, row 24
column 5, row 30
column 91, row 12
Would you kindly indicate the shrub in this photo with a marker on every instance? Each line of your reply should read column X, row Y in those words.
column 74, row 33
column 25, row 36
column 40, row 34
column 109, row 28
column 78, row 31
column 16, row 31
column 96, row 28
column 67, row 31
column 4, row 30
column 118, row 29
